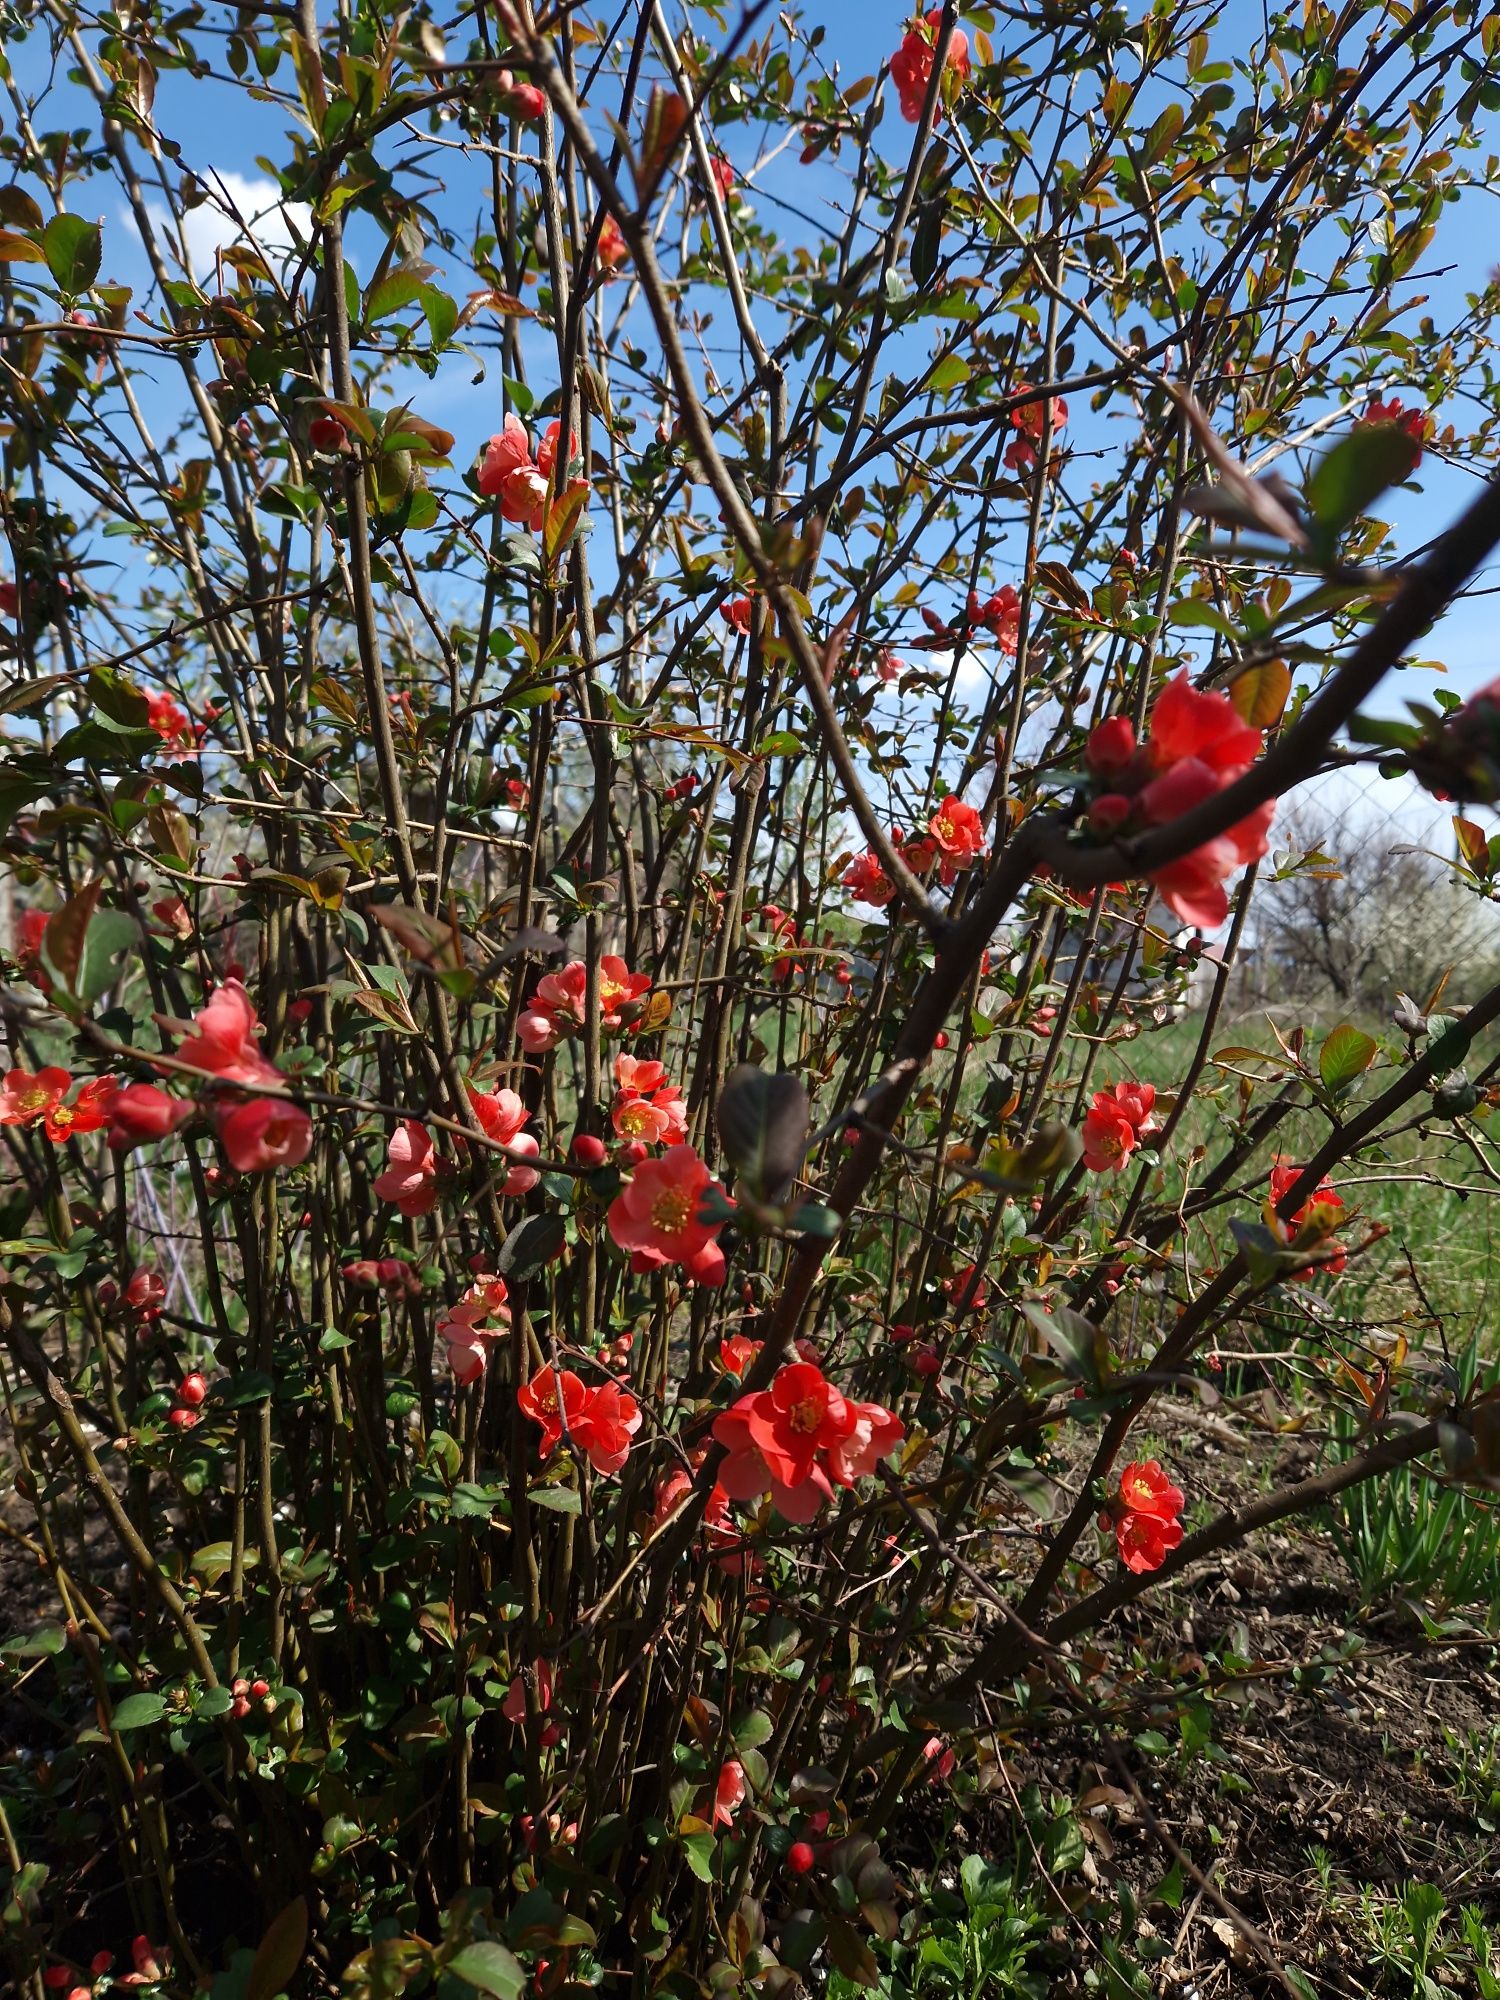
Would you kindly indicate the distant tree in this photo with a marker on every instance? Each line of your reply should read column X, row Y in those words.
column 1376, row 916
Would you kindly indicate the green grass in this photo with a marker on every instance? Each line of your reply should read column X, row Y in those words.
column 1425, row 1187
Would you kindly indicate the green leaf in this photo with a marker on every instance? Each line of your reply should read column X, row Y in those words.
column 43, row 1640
column 1347, row 1053
column 17, row 793
column 491, row 1968
column 118, row 700
column 926, row 242
column 110, row 749
column 1265, row 1258
column 1449, row 1044
column 556, row 1499
column 441, row 314
column 139, row 1711
column 532, row 1244
column 698, row 1850
column 1191, row 611
column 1076, row 1341
column 395, row 290
column 950, row 373
column 814, row 1218
column 109, row 936
column 763, row 1120
column 279, row 1953
column 1163, row 135
column 1354, row 473
column 752, row 1730
column 213, row 1701
column 72, row 248
column 24, row 695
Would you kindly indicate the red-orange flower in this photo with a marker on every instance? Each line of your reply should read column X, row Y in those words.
column 729, row 1792
column 1197, row 745
column 1417, row 424
column 524, row 101
column 463, row 1330
column 31, row 928
column 410, row 1177
column 225, row 1043
column 1020, row 453
column 1316, row 1219
column 28, row 1100
column 911, row 65
column 264, row 1133
column 868, row 882
column 558, row 1006
column 508, row 473
column 501, row 1117
column 140, row 1112
column 1145, row 1516
column 180, row 735
column 647, row 1107
column 656, row 1217
column 600, row 1422
column 958, row 830
column 999, row 615
column 1118, row 1119
column 800, row 1438
column 613, row 250
column 737, row 1352
column 967, row 1289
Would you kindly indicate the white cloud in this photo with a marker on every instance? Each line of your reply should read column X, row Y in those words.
column 240, row 208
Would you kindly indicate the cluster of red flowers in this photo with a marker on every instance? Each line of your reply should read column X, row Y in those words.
column 799, row 1439
column 599, row 1421
column 258, row 1133
column 725, row 179
column 1417, row 424
column 954, row 841
column 1311, row 1225
column 1196, row 746
column 508, row 472
column 410, row 1180
column 32, row 1100
column 657, row 1217
column 911, row 65
column 868, row 882
column 501, row 1116
column 731, row 1556
column 647, row 1109
column 392, row 1275
column 783, row 928
column 968, row 1290
column 1118, row 1120
column 999, row 615
column 415, row 1173
column 180, row 735
column 463, row 1330
column 1145, row 1516
column 143, row 1297
column 1020, row 453
column 557, row 1007
column 150, row 1964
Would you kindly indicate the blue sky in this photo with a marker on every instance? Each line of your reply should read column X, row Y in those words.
column 215, row 123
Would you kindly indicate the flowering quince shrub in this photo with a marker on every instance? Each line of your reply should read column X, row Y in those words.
column 601, row 1266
